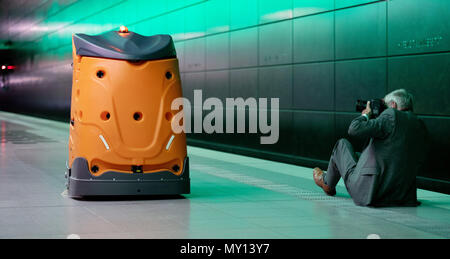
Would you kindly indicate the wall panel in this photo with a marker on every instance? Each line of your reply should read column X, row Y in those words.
column 313, row 87
column 275, row 43
column 276, row 82
column 314, row 38
column 218, row 51
column 244, row 83
column 361, row 31
column 244, row 48
column 313, row 134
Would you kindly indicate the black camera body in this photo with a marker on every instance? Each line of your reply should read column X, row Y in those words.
column 376, row 105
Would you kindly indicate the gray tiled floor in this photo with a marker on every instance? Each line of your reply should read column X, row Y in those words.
column 232, row 197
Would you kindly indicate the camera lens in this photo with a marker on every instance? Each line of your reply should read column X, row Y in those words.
column 360, row 105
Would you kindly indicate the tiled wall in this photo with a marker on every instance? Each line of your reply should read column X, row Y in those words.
column 317, row 56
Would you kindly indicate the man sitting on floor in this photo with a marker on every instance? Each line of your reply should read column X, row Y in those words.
column 385, row 173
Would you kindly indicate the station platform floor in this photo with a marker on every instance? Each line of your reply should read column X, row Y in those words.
column 231, row 196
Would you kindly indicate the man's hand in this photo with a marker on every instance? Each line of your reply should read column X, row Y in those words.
column 367, row 110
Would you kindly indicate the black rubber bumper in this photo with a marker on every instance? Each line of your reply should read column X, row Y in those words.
column 82, row 183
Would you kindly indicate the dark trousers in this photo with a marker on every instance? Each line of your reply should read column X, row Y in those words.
column 342, row 163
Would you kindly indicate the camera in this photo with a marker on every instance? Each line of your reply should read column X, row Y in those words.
column 376, row 105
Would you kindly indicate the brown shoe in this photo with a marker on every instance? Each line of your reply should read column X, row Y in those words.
column 318, row 178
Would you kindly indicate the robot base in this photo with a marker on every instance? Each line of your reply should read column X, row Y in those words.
column 82, row 183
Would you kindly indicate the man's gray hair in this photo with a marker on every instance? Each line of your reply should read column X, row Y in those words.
column 402, row 98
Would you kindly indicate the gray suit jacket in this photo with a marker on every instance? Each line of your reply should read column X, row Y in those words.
column 385, row 174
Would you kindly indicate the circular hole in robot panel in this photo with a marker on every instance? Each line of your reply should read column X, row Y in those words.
column 169, row 75
column 94, row 169
column 137, row 116
column 100, row 73
column 105, row 115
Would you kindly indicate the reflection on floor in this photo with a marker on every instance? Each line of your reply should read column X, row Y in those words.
column 232, row 197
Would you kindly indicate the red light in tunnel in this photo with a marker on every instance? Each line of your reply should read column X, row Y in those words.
column 10, row 67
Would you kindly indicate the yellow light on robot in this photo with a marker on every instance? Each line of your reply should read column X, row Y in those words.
column 123, row 29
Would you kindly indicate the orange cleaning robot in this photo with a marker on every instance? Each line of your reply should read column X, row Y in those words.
column 121, row 140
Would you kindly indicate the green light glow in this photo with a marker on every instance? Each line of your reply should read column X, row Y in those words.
column 270, row 11
column 183, row 19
